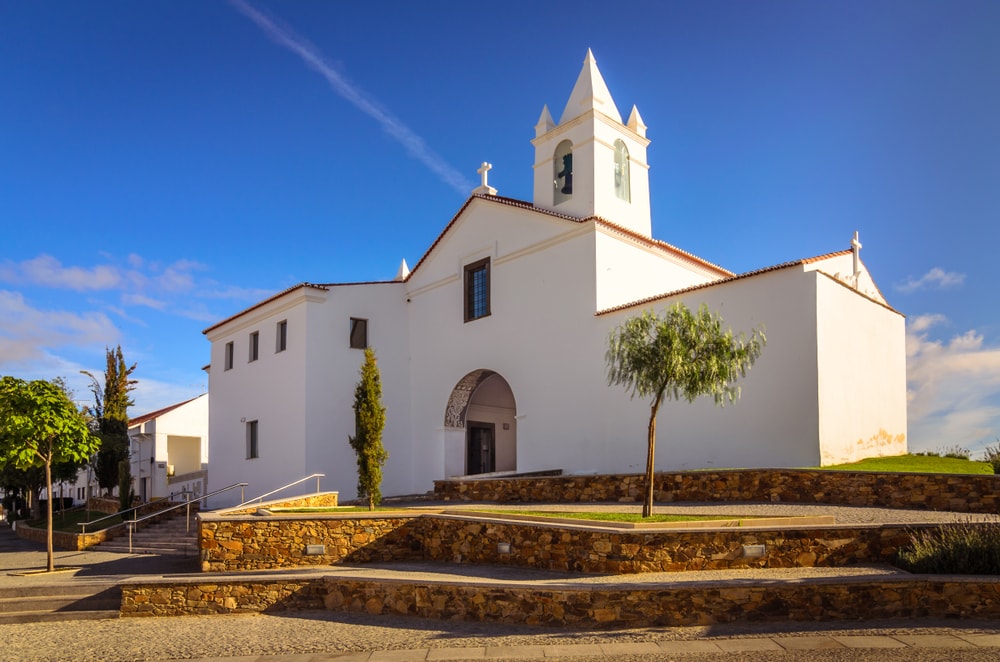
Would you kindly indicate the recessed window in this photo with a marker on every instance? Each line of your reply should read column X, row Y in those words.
column 477, row 289
column 623, row 188
column 281, row 339
column 254, row 346
column 253, row 451
column 359, row 333
column 229, row 356
column 562, row 172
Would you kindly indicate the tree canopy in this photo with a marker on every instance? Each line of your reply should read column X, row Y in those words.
column 110, row 417
column 679, row 355
column 41, row 426
column 369, row 418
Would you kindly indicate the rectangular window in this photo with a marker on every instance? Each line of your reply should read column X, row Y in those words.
column 252, row 449
column 281, row 341
column 359, row 333
column 229, row 356
column 254, row 345
column 477, row 289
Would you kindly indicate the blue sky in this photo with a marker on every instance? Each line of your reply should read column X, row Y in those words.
column 164, row 164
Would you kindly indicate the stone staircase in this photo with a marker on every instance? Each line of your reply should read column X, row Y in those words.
column 167, row 537
column 70, row 601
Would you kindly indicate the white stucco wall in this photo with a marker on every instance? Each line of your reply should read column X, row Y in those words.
column 862, row 384
column 627, row 270
column 270, row 390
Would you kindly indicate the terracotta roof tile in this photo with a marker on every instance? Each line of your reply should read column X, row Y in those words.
column 139, row 420
column 264, row 302
column 749, row 274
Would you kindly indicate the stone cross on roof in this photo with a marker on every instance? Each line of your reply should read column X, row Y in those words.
column 856, row 249
column 484, row 188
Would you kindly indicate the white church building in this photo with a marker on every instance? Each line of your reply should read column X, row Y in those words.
column 491, row 350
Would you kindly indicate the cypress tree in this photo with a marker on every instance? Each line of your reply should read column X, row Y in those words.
column 369, row 421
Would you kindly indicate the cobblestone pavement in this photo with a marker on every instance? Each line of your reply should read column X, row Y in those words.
column 319, row 635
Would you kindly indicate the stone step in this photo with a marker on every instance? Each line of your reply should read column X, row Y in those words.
column 59, row 603
column 20, row 617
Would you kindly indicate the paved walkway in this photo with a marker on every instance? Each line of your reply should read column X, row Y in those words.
column 314, row 636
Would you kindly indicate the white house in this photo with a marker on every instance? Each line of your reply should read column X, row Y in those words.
column 169, row 450
column 491, row 349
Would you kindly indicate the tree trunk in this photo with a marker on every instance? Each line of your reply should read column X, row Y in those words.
column 48, row 529
column 371, row 502
column 647, row 504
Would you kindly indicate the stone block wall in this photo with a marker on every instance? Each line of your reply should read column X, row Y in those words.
column 954, row 492
column 596, row 606
column 71, row 541
column 257, row 543
column 318, row 500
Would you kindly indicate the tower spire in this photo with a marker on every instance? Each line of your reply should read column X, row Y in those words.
column 590, row 92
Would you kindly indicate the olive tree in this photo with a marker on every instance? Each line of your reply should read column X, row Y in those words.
column 679, row 355
column 369, row 421
column 40, row 426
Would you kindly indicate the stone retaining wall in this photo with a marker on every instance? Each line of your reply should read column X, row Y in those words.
column 318, row 500
column 71, row 541
column 923, row 491
column 258, row 543
column 596, row 606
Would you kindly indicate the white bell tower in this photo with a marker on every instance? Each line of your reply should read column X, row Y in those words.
column 590, row 164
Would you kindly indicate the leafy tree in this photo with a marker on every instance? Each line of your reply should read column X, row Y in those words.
column 679, row 355
column 40, row 426
column 110, row 417
column 369, row 421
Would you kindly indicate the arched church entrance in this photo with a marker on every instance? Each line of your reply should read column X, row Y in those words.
column 480, row 425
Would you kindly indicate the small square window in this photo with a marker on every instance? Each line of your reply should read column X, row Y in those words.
column 229, row 356
column 253, row 452
column 359, row 333
column 477, row 290
column 281, row 340
column 254, row 345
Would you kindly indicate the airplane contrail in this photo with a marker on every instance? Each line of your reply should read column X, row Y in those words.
column 413, row 143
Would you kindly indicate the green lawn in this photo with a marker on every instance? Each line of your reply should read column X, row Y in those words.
column 915, row 463
column 68, row 520
column 616, row 517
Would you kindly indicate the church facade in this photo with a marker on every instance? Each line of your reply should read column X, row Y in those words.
column 491, row 350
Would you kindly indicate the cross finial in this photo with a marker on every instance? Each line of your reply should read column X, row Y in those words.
column 483, row 169
column 856, row 249
column 484, row 187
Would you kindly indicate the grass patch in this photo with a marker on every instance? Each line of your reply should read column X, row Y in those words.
column 617, row 517
column 331, row 509
column 915, row 463
column 67, row 521
column 967, row 548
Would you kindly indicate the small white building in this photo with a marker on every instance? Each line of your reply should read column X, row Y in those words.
column 169, row 450
column 491, row 350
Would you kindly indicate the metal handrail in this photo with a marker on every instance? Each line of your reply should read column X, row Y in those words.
column 132, row 523
column 285, row 487
column 122, row 512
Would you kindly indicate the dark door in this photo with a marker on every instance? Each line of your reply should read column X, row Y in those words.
column 480, row 457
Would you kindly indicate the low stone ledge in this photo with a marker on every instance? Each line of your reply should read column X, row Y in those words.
column 609, row 606
column 974, row 493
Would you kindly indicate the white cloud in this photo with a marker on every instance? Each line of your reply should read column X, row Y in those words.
column 26, row 333
column 953, row 388
column 143, row 300
column 47, row 271
column 936, row 278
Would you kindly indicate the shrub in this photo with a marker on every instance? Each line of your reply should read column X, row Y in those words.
column 964, row 548
column 956, row 452
column 991, row 456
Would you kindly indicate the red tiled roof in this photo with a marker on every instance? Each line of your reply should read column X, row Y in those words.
column 139, row 420
column 264, row 302
column 522, row 204
column 749, row 274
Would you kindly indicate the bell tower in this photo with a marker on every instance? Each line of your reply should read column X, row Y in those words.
column 590, row 163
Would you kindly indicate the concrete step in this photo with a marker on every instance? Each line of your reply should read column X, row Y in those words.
column 59, row 603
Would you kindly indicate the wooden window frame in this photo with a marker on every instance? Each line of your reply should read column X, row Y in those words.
column 468, row 293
